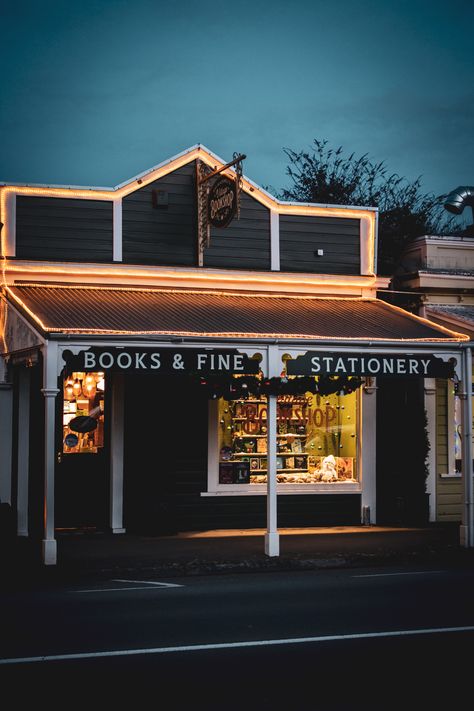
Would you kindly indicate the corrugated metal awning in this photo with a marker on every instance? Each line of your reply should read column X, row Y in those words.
column 457, row 316
column 78, row 309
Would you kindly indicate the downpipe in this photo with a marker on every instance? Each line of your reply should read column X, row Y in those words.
column 467, row 528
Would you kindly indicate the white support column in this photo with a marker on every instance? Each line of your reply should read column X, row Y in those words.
column 117, row 227
column 23, row 450
column 9, row 228
column 6, row 415
column 367, row 444
column 366, row 266
column 274, row 241
column 272, row 537
column 50, row 391
column 116, row 456
column 467, row 526
column 430, row 408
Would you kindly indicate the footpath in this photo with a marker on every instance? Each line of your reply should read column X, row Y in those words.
column 89, row 553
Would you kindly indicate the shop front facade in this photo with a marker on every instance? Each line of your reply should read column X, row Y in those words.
column 162, row 372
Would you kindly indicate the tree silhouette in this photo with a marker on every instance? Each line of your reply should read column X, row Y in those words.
column 324, row 175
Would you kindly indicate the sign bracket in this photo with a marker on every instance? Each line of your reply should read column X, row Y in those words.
column 203, row 175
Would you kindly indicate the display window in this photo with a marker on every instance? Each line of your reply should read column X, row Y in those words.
column 83, row 413
column 455, row 415
column 317, row 441
column 457, row 435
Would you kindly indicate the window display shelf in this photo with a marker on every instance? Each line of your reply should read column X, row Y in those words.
column 253, row 436
column 296, row 471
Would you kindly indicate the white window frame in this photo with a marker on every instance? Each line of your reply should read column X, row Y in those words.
column 216, row 489
column 450, row 424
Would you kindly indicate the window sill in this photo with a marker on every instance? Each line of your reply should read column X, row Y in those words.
column 451, row 476
column 261, row 489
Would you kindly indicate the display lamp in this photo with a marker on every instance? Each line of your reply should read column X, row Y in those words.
column 69, row 389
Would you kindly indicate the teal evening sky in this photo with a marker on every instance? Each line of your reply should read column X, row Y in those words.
column 94, row 93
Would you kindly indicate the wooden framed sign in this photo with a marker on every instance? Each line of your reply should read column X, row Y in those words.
column 222, row 203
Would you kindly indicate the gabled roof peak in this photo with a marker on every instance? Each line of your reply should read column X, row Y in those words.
column 190, row 154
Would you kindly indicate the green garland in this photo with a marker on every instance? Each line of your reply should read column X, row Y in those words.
column 244, row 387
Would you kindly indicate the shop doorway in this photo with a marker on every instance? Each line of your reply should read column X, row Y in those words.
column 402, row 450
column 165, row 452
column 82, row 492
column 82, row 476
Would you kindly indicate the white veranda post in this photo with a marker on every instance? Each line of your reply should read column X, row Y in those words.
column 272, row 537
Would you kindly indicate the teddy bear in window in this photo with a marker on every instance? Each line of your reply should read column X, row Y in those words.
column 329, row 469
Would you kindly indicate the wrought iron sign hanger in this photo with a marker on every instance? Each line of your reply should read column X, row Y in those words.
column 218, row 203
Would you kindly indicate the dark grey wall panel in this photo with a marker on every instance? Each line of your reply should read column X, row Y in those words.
column 245, row 243
column 301, row 236
column 64, row 229
column 168, row 494
column 163, row 235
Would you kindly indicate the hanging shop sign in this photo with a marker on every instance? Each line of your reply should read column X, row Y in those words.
column 162, row 360
column 318, row 363
column 218, row 201
column 222, row 202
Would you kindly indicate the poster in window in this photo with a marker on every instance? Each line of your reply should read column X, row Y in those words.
column 300, row 462
column 241, row 472
column 296, row 446
column 226, row 473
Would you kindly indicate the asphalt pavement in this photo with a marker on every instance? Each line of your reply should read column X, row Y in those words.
column 97, row 553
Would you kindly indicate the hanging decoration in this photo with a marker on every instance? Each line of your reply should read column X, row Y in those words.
column 254, row 386
column 217, row 201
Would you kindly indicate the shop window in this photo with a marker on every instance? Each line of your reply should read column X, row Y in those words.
column 457, row 436
column 83, row 413
column 451, row 413
column 454, row 413
column 316, row 442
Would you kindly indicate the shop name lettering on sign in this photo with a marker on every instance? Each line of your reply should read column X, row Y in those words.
column 222, row 203
column 426, row 366
column 350, row 366
column 167, row 360
column 152, row 361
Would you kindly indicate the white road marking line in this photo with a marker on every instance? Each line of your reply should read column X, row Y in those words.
column 386, row 575
column 150, row 582
column 232, row 645
column 144, row 585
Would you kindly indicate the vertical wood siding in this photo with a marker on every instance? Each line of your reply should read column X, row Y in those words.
column 64, row 229
column 163, row 235
column 449, row 491
column 165, row 460
column 245, row 243
column 301, row 236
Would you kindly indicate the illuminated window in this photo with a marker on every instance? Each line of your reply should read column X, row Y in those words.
column 83, row 413
column 457, row 435
column 316, row 440
column 454, row 410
